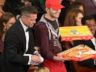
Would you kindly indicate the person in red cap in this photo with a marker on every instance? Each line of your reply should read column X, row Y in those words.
column 47, row 37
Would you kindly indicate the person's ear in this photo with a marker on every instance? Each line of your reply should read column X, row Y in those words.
column 47, row 9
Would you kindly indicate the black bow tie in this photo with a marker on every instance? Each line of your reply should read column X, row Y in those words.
column 28, row 29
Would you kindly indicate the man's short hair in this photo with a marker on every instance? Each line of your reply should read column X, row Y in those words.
column 28, row 10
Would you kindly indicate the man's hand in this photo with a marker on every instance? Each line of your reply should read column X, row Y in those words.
column 37, row 59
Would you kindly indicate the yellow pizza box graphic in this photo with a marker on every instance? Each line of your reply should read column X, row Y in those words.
column 82, row 52
column 70, row 33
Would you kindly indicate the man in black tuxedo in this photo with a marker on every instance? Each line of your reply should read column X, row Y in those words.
column 19, row 43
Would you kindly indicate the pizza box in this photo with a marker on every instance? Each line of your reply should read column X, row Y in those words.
column 82, row 52
column 70, row 33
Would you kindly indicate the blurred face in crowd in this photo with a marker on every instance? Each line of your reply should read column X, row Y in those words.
column 9, row 23
column 81, row 8
column 78, row 19
column 92, row 25
column 29, row 19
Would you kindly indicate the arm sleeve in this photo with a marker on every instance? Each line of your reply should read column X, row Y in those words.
column 12, row 50
column 42, row 38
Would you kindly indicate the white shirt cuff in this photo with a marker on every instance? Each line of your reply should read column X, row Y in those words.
column 30, row 58
column 30, row 62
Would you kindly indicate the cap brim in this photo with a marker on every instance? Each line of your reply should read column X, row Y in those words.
column 57, row 7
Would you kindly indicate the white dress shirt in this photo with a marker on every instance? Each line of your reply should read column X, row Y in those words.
column 94, row 43
column 27, row 41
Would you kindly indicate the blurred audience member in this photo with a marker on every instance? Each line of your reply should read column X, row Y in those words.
column 2, row 3
column 12, row 6
column 77, row 5
column 67, row 4
column 7, row 20
column 90, row 7
column 73, row 18
column 40, row 5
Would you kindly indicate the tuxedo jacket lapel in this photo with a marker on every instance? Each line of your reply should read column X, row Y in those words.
column 22, row 36
column 85, row 42
column 90, row 43
column 31, row 42
column 23, row 40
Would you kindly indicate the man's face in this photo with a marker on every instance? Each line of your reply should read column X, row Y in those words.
column 54, row 13
column 30, row 20
column 92, row 25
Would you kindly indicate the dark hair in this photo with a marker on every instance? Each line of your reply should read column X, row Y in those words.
column 5, row 18
column 28, row 10
column 87, row 18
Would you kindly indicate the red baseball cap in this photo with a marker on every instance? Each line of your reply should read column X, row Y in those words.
column 54, row 4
